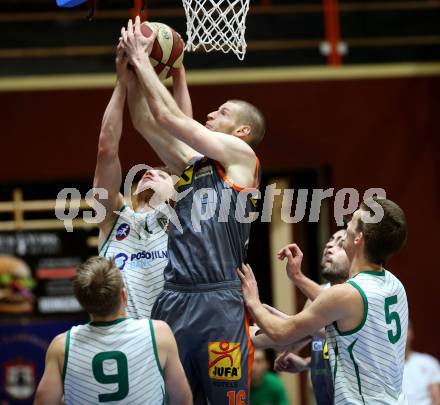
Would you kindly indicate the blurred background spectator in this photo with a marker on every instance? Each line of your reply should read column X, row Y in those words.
column 266, row 387
column 421, row 377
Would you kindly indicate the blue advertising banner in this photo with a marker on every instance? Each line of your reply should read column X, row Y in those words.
column 23, row 348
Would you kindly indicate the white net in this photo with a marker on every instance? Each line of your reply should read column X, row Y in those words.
column 216, row 25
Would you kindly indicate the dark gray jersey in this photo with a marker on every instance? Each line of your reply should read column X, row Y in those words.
column 215, row 217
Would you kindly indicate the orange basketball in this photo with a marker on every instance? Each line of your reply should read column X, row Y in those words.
column 168, row 48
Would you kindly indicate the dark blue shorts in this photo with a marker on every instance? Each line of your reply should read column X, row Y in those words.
column 211, row 327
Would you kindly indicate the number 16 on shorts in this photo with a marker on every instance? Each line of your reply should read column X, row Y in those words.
column 236, row 398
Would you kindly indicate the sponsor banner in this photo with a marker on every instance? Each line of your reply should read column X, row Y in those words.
column 22, row 353
column 36, row 269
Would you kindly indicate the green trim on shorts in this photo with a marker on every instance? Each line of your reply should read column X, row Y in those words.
column 361, row 325
column 156, row 355
column 110, row 233
column 66, row 354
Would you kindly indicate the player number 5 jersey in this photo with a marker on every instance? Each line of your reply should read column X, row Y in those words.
column 367, row 362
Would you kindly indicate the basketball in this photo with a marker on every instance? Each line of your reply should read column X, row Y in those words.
column 167, row 52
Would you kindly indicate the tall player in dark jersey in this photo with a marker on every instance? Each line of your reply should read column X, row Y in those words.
column 202, row 300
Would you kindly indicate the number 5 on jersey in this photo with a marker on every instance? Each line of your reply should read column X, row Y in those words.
column 390, row 317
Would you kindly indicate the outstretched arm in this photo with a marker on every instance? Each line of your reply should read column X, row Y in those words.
column 181, row 92
column 50, row 389
column 262, row 341
column 176, row 384
column 108, row 173
column 334, row 304
column 230, row 151
column 173, row 152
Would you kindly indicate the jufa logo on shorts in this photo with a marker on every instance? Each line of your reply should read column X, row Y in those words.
column 224, row 360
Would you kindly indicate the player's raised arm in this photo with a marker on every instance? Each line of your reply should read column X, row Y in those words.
column 176, row 383
column 181, row 92
column 108, row 172
column 236, row 156
column 50, row 389
column 173, row 152
column 294, row 256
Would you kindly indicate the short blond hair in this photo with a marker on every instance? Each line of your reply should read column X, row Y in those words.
column 252, row 116
column 98, row 285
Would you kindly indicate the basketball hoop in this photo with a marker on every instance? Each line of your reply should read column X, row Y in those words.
column 216, row 25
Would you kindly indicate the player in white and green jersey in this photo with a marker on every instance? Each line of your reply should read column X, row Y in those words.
column 366, row 317
column 367, row 362
column 138, row 243
column 95, row 372
column 112, row 359
column 334, row 268
column 136, row 239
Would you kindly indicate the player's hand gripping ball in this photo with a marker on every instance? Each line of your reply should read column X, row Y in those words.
column 168, row 48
